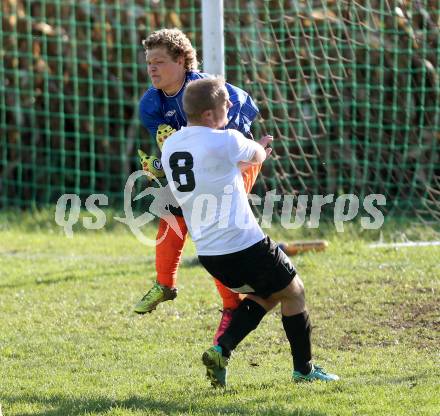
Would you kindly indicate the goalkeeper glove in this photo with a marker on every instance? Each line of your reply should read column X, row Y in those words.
column 151, row 165
column 163, row 132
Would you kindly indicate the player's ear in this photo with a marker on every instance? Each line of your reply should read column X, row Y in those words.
column 207, row 116
column 181, row 60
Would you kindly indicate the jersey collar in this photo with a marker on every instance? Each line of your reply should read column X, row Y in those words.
column 178, row 92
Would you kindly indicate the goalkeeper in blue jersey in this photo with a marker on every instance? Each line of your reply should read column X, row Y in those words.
column 172, row 64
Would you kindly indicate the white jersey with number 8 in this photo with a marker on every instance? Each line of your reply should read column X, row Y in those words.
column 201, row 165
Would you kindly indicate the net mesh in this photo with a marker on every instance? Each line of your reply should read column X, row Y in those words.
column 350, row 90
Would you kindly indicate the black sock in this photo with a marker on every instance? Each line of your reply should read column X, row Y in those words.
column 244, row 320
column 298, row 330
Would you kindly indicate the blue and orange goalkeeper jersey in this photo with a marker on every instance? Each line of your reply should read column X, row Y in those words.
column 156, row 108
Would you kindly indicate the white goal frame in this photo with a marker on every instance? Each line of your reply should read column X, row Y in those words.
column 213, row 37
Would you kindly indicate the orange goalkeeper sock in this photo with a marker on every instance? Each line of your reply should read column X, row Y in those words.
column 169, row 251
column 250, row 176
column 230, row 299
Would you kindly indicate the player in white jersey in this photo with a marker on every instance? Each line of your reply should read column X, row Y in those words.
column 202, row 165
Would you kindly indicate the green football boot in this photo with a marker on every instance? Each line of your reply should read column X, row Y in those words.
column 215, row 364
column 317, row 374
column 154, row 296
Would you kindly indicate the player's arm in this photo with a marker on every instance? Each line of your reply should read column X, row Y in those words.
column 150, row 112
column 151, row 117
column 258, row 157
column 264, row 143
column 243, row 111
column 244, row 151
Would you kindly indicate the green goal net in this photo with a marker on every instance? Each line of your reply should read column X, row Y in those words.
column 350, row 90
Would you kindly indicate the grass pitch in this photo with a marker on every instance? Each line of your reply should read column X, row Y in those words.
column 71, row 345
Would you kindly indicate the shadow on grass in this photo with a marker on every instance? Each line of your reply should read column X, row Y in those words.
column 60, row 276
column 40, row 281
column 60, row 405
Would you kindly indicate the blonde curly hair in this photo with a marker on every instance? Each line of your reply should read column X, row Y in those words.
column 176, row 43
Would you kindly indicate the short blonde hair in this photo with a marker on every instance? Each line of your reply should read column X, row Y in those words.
column 202, row 95
column 176, row 43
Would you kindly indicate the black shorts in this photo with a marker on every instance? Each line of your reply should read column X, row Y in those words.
column 261, row 269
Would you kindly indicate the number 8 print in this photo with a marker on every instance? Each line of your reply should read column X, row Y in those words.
column 183, row 174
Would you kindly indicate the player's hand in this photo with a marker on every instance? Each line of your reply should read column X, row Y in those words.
column 266, row 141
column 163, row 132
column 151, row 165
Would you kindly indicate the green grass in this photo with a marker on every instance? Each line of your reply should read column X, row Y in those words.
column 70, row 344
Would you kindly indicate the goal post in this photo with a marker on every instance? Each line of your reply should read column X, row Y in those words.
column 213, row 37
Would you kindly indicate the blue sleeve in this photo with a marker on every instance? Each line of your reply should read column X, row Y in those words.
column 150, row 112
column 243, row 110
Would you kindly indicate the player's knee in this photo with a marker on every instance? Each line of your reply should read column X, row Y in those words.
column 294, row 290
column 267, row 303
column 298, row 286
column 298, row 292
